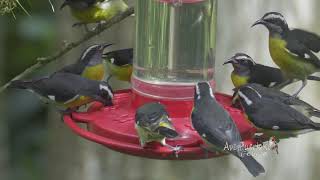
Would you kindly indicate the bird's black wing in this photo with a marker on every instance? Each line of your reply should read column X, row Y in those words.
column 121, row 57
column 216, row 126
column 266, row 76
column 62, row 86
column 275, row 115
column 310, row 40
column 298, row 48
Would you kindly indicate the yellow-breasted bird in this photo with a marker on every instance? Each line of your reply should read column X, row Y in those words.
column 247, row 71
column 217, row 129
column 281, row 97
column 90, row 65
column 273, row 117
column 119, row 64
column 67, row 90
column 292, row 50
column 154, row 124
column 94, row 11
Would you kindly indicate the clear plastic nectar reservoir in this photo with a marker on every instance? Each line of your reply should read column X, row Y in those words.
column 175, row 45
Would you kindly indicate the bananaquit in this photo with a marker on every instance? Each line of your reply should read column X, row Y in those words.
column 217, row 129
column 153, row 124
column 292, row 50
column 247, row 71
column 119, row 64
column 68, row 90
column 273, row 117
column 94, row 11
column 90, row 65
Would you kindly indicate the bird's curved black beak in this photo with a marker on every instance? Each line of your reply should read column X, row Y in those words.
column 103, row 46
column 260, row 21
column 65, row 3
column 229, row 61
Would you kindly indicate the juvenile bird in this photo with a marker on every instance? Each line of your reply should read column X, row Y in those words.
column 217, row 129
column 68, row 90
column 90, row 65
column 247, row 71
column 292, row 50
column 281, row 97
column 119, row 64
column 153, row 124
column 273, row 117
column 94, row 11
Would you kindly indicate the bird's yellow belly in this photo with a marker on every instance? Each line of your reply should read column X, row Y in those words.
column 99, row 12
column 238, row 80
column 292, row 66
column 94, row 72
column 80, row 101
column 121, row 73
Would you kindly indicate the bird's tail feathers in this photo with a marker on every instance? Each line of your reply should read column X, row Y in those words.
column 313, row 78
column 315, row 113
column 316, row 126
column 253, row 166
column 18, row 84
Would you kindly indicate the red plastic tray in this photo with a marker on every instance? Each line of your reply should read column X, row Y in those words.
column 113, row 127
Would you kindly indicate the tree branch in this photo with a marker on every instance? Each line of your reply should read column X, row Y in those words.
column 45, row 60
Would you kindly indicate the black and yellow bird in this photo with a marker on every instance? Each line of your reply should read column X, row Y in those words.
column 245, row 71
column 217, row 129
column 119, row 64
column 292, row 50
column 153, row 124
column 90, row 65
column 94, row 11
column 281, row 97
column 273, row 117
column 68, row 91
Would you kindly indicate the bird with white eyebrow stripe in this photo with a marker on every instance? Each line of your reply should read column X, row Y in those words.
column 216, row 128
column 272, row 116
column 90, row 65
column 247, row 71
column 293, row 50
column 68, row 90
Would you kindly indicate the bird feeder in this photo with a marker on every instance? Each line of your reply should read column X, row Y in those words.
column 175, row 48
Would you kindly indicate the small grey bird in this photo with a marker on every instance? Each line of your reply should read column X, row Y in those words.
column 281, row 97
column 90, row 65
column 273, row 115
column 153, row 124
column 68, row 90
column 217, row 129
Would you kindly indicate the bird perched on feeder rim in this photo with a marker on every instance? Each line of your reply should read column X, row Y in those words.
column 94, row 11
column 153, row 124
column 247, row 71
column 90, row 65
column 281, row 97
column 119, row 64
column 292, row 50
column 68, row 90
column 273, row 117
column 217, row 129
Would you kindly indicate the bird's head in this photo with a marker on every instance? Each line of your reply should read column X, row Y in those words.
column 241, row 62
column 274, row 21
column 203, row 90
column 93, row 54
column 106, row 93
column 151, row 116
column 248, row 95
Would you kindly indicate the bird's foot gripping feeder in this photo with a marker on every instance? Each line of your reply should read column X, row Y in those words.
column 174, row 50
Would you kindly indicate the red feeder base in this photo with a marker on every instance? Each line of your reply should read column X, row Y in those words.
column 113, row 127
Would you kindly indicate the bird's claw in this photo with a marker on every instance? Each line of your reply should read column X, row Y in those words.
column 177, row 150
